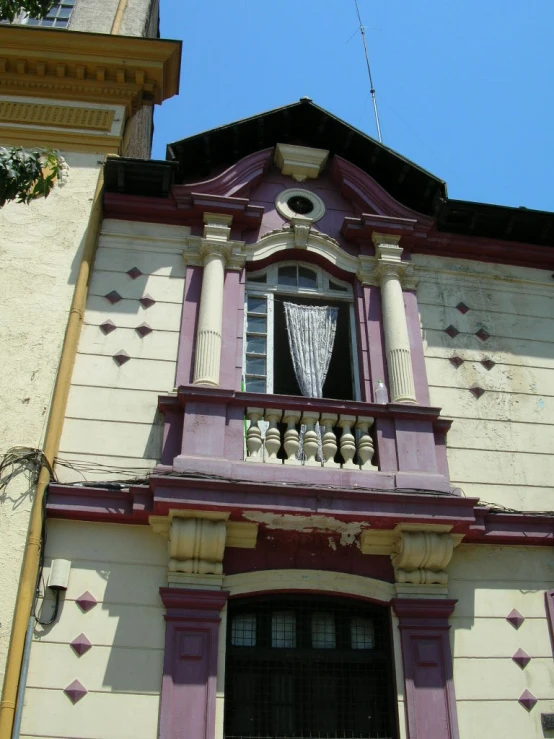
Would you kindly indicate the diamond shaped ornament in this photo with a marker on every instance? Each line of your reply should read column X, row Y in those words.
column 515, row 618
column 121, row 357
column 521, row 658
column 80, row 645
column 456, row 361
column 113, row 297
column 134, row 272
column 143, row 330
column 107, row 327
column 482, row 334
column 147, row 301
column 527, row 700
column 462, row 307
column 86, row 601
column 75, row 691
column 452, row 331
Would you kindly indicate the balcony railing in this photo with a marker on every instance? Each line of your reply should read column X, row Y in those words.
column 221, row 432
column 310, row 437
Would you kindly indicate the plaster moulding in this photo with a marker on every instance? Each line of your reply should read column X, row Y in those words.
column 217, row 229
column 197, row 539
column 419, row 554
column 284, row 209
column 300, row 162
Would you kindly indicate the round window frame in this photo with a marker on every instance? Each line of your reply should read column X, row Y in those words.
column 283, row 208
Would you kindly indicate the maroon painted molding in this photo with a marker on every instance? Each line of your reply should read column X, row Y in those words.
column 430, row 700
column 246, row 489
column 188, row 695
column 237, row 179
column 549, row 600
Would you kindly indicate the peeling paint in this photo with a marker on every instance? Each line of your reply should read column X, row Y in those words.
column 309, row 524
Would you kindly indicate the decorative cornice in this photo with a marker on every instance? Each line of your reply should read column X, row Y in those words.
column 126, row 71
column 59, row 116
column 234, row 181
column 14, row 135
column 300, row 162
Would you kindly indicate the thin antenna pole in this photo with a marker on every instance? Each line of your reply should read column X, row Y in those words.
column 372, row 88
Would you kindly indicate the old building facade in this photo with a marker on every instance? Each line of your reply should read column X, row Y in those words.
column 261, row 543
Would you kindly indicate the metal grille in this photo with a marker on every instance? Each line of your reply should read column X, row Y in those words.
column 315, row 668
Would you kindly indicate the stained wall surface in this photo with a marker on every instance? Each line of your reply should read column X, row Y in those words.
column 500, row 444
column 127, row 353
column 40, row 253
column 122, row 568
column 489, row 582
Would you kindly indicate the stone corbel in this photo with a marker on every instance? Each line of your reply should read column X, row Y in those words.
column 197, row 541
column 300, row 162
column 301, row 227
column 420, row 555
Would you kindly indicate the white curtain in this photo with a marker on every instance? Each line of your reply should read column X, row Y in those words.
column 311, row 330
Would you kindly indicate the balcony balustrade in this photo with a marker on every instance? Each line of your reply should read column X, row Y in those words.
column 298, row 440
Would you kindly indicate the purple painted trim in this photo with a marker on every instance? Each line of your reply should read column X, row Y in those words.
column 247, row 489
column 429, row 686
column 363, row 344
column 441, row 428
column 189, row 320
column 549, row 600
column 233, row 322
column 236, row 180
column 416, row 348
column 188, row 693
column 358, row 186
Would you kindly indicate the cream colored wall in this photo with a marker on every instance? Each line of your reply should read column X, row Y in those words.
column 489, row 582
column 500, row 445
column 112, row 419
column 123, row 567
column 40, row 253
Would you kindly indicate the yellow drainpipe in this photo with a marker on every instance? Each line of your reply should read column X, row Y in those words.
column 118, row 18
column 31, row 554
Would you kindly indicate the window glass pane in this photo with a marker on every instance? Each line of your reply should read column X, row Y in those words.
column 306, row 277
column 287, row 276
column 254, row 385
column 335, row 286
column 257, row 304
column 256, row 324
column 258, row 278
column 362, row 633
column 283, row 629
column 323, row 631
column 255, row 366
column 243, row 630
column 256, row 345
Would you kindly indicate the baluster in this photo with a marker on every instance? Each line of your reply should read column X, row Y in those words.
column 347, row 441
column 272, row 436
column 254, row 435
column 309, row 419
column 365, row 443
column 329, row 440
column 292, row 444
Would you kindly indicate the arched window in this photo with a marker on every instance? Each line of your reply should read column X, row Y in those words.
column 308, row 666
column 268, row 366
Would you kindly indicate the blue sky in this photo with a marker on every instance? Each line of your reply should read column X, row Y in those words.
column 464, row 87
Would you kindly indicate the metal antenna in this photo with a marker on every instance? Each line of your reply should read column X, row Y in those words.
column 372, row 88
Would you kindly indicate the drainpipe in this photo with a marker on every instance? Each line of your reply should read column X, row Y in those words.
column 118, row 18
column 31, row 557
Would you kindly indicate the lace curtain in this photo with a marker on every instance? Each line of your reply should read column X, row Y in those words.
column 311, row 331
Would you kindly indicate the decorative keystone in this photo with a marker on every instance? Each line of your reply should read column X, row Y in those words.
column 80, row 645
column 476, row 391
column 527, row 700
column 515, row 618
column 462, row 307
column 86, row 601
column 147, row 301
column 482, row 334
column 452, row 331
column 488, row 364
column 521, row 658
column 134, row 272
column 107, row 327
column 121, row 357
column 456, row 361
column 113, row 297
column 143, row 330
column 75, row 691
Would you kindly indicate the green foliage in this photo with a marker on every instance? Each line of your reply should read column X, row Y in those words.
column 10, row 9
column 27, row 175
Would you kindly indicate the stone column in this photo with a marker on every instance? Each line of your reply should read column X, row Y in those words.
column 390, row 270
column 210, row 319
column 427, row 659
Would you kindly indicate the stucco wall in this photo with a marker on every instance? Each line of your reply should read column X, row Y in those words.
column 40, row 253
column 123, row 569
column 500, row 444
column 489, row 582
column 97, row 16
column 112, row 425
